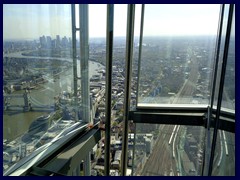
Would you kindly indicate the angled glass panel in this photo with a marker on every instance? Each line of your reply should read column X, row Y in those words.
column 37, row 66
column 221, row 52
column 228, row 101
column 38, row 79
column 224, row 155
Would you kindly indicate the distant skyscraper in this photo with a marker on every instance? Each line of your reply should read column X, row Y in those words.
column 64, row 42
column 70, row 42
column 58, row 41
column 12, row 46
column 43, row 42
column 49, row 42
column 54, row 44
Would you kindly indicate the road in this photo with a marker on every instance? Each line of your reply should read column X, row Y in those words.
column 189, row 85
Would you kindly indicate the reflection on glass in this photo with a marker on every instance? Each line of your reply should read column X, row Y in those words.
column 221, row 52
column 38, row 78
column 168, row 150
column 224, row 156
column 177, row 54
column 37, row 67
column 228, row 100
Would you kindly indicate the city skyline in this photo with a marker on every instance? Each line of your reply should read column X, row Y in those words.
column 33, row 21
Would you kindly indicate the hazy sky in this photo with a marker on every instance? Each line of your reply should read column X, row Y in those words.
column 31, row 21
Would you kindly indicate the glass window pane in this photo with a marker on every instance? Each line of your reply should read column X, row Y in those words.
column 97, row 52
column 228, row 100
column 168, row 150
column 224, row 156
column 38, row 78
column 177, row 54
column 221, row 52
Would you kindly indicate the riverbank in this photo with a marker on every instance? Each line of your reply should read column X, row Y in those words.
column 16, row 122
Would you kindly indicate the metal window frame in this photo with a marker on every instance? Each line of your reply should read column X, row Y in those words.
column 196, row 116
column 84, row 64
column 221, row 86
column 184, row 116
column 67, row 160
column 128, row 69
column 138, row 74
column 140, row 49
column 74, row 54
column 83, row 142
column 44, row 152
column 109, row 56
column 171, row 117
column 60, row 158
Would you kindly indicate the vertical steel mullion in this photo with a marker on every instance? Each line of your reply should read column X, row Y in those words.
column 207, row 144
column 84, row 50
column 218, row 44
column 221, row 86
column 109, row 53
column 128, row 70
column 138, row 79
column 214, row 77
column 134, row 144
column 74, row 55
column 140, row 50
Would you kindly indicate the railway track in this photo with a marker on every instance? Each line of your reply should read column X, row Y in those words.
column 164, row 160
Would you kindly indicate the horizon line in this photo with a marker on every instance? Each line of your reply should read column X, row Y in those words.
column 21, row 39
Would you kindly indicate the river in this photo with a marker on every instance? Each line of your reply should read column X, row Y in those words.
column 16, row 122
